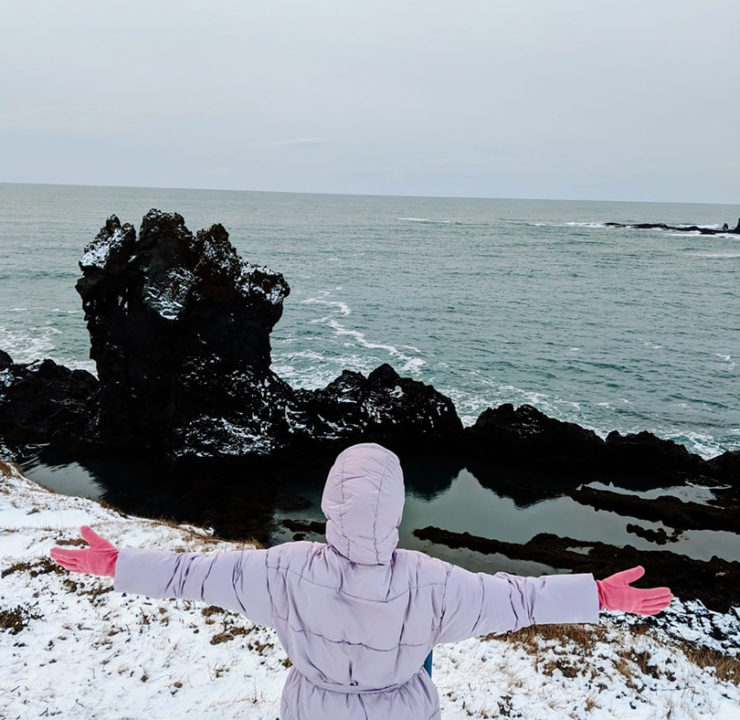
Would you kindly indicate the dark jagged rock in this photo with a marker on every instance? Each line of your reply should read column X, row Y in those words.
column 715, row 582
column 45, row 402
column 569, row 454
column 180, row 333
column 383, row 407
column 726, row 467
column 667, row 509
column 527, row 437
column 725, row 229
column 179, row 328
column 659, row 536
column 643, row 453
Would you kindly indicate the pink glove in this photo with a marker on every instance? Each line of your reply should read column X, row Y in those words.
column 99, row 559
column 616, row 594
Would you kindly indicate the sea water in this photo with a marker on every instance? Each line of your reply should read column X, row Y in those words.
column 489, row 300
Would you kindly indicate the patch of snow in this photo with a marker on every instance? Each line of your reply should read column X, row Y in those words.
column 98, row 251
column 250, row 284
column 166, row 295
column 219, row 436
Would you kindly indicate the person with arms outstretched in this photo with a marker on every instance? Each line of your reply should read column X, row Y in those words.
column 356, row 615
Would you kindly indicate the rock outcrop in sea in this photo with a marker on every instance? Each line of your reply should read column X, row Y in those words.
column 180, row 329
column 702, row 229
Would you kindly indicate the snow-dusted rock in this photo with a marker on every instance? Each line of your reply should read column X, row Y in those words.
column 180, row 333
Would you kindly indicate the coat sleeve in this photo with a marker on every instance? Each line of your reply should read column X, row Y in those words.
column 478, row 603
column 235, row 580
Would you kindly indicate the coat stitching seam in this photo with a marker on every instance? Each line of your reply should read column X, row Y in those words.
column 348, row 642
column 344, row 592
column 383, row 476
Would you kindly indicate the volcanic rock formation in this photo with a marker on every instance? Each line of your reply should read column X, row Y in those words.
column 180, row 333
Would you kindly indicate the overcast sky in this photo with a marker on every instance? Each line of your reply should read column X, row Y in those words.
column 630, row 100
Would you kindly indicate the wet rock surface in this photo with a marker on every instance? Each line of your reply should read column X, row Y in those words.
column 46, row 402
column 667, row 509
column 179, row 329
column 659, row 536
column 715, row 582
column 526, row 437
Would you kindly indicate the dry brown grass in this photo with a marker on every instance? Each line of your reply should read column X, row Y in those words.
column 580, row 637
column 726, row 667
column 77, row 542
column 16, row 619
column 580, row 640
column 230, row 633
column 105, row 504
column 40, row 567
column 590, row 702
column 6, row 468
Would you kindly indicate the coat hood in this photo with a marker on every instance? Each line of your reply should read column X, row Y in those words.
column 363, row 503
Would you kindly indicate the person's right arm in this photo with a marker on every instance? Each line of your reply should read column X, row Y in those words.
column 478, row 603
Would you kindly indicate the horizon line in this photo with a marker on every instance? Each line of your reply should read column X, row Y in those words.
column 379, row 195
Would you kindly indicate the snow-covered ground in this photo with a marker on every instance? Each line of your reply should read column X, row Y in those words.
column 70, row 647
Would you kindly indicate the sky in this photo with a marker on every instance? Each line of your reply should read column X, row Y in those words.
column 581, row 99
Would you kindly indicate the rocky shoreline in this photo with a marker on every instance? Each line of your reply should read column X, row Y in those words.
column 180, row 329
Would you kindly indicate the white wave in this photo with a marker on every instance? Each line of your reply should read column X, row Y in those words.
column 585, row 224
column 343, row 308
column 719, row 255
column 726, row 358
column 410, row 363
column 430, row 221
column 88, row 365
column 321, row 371
column 304, row 354
column 700, row 443
column 29, row 344
column 38, row 343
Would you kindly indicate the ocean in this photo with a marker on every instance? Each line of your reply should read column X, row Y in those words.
column 490, row 301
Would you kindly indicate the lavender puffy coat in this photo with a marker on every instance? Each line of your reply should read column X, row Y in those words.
column 357, row 616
